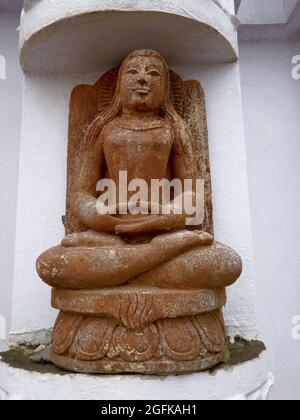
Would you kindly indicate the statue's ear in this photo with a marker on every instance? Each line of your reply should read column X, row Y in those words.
column 86, row 102
column 196, row 120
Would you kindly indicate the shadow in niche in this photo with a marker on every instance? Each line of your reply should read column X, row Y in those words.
column 31, row 359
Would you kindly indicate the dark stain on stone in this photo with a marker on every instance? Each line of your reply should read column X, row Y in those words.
column 21, row 358
column 27, row 358
column 240, row 351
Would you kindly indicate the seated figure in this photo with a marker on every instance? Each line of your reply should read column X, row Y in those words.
column 139, row 132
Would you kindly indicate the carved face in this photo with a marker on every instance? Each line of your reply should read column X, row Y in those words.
column 143, row 84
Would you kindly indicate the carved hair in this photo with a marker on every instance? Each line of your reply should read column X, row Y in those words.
column 183, row 142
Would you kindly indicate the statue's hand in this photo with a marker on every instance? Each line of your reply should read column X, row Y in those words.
column 168, row 217
column 85, row 208
column 152, row 224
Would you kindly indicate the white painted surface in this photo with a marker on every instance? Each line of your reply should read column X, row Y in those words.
column 228, row 8
column 263, row 27
column 266, row 12
column 248, row 381
column 42, row 191
column 78, row 33
column 271, row 109
column 10, row 118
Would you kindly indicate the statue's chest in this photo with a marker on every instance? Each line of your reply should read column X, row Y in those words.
column 140, row 144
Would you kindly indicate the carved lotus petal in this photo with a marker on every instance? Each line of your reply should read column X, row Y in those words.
column 211, row 330
column 64, row 331
column 93, row 339
column 181, row 340
column 135, row 345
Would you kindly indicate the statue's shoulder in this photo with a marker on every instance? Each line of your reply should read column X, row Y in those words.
column 110, row 127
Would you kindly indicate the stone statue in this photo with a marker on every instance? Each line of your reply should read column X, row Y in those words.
column 143, row 292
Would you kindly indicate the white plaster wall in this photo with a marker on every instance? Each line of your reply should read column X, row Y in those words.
column 266, row 11
column 42, row 191
column 271, row 110
column 10, row 118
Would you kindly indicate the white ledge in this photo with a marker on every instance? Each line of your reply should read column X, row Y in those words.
column 248, row 381
column 76, row 36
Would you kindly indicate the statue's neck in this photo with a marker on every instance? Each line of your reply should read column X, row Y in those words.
column 140, row 120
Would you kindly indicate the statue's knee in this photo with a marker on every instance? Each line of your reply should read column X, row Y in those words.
column 225, row 266
column 48, row 266
column 212, row 267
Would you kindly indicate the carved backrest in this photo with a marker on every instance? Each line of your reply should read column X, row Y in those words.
column 88, row 101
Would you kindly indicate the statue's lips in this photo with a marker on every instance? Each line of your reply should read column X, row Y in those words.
column 142, row 91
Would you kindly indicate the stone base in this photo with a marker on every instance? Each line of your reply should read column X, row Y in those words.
column 159, row 368
column 117, row 331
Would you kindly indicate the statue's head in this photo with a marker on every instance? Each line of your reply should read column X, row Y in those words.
column 143, row 85
column 143, row 81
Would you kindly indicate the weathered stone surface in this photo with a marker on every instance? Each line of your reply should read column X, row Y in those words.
column 184, row 265
column 138, row 293
column 134, row 306
column 179, row 345
column 38, row 359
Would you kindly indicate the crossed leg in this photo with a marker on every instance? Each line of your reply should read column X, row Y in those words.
column 205, row 267
column 92, row 260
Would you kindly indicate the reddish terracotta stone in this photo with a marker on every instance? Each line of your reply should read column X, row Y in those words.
column 137, row 306
column 141, row 293
column 167, row 346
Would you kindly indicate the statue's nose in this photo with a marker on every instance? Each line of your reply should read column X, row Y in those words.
column 142, row 80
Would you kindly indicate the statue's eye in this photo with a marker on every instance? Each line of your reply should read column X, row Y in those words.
column 132, row 71
column 154, row 73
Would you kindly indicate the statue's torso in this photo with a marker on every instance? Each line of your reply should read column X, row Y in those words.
column 142, row 153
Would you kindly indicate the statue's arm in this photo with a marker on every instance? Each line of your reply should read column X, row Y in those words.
column 185, row 166
column 184, row 160
column 83, row 201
